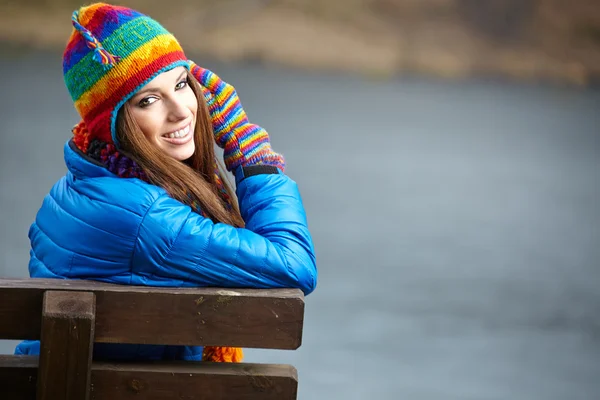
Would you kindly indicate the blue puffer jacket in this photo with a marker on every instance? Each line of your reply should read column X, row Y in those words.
column 95, row 225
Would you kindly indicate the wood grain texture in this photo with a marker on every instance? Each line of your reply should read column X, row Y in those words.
column 162, row 380
column 258, row 318
column 67, row 338
column 194, row 381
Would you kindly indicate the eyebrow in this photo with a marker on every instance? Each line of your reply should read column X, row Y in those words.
column 152, row 89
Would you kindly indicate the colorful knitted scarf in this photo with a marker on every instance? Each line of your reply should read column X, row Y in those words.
column 122, row 166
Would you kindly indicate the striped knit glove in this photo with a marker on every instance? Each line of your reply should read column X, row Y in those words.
column 244, row 143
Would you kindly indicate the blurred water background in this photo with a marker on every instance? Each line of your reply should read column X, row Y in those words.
column 456, row 222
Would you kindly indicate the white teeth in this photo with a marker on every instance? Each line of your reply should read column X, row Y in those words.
column 179, row 134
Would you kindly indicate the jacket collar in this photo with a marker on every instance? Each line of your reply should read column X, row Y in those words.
column 82, row 166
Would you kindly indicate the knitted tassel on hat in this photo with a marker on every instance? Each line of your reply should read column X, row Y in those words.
column 222, row 354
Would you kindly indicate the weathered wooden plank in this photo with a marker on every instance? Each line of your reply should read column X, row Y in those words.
column 257, row 318
column 194, row 381
column 93, row 286
column 68, row 320
column 164, row 380
column 18, row 377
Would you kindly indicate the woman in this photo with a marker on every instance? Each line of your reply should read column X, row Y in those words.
column 144, row 201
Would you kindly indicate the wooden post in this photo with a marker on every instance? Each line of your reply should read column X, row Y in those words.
column 67, row 338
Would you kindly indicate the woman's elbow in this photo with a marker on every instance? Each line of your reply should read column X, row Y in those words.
column 309, row 285
column 297, row 267
column 304, row 274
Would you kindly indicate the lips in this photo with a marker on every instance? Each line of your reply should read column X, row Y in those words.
column 180, row 136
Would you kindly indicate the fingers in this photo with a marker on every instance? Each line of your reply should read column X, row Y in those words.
column 208, row 96
column 207, row 78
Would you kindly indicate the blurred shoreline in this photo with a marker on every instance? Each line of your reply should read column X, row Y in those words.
column 521, row 40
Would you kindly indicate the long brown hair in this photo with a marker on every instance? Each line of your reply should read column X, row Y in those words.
column 192, row 182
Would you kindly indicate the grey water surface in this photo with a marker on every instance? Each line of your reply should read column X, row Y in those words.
column 456, row 225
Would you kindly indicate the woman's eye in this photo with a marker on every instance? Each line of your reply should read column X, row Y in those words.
column 145, row 102
column 181, row 84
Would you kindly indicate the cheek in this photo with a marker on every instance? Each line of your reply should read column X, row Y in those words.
column 148, row 123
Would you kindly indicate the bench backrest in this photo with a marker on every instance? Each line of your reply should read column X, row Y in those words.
column 68, row 316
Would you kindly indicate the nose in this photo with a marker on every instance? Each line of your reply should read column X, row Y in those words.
column 177, row 109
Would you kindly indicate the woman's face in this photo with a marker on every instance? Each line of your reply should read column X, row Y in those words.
column 165, row 109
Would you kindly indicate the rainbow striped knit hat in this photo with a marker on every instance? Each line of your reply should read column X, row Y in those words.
column 113, row 51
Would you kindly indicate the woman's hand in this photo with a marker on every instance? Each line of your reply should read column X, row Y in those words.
column 244, row 143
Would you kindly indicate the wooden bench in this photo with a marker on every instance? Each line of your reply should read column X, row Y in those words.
column 68, row 316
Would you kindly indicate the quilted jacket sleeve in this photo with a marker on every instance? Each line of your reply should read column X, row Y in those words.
column 274, row 250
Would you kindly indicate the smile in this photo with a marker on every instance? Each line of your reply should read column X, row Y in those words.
column 180, row 136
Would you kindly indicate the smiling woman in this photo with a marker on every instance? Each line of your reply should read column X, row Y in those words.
column 165, row 111
column 167, row 129
column 144, row 201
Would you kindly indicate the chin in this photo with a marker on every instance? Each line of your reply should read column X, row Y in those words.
column 183, row 153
